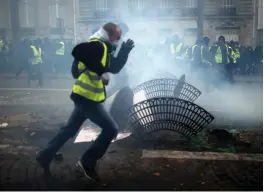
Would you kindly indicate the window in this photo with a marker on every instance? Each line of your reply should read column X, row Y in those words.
column 230, row 34
column 164, row 4
column 189, row 8
column 227, row 3
column 102, row 5
column 227, row 8
column 27, row 13
column 190, row 4
column 56, row 10
column 3, row 20
column 102, row 9
column 137, row 4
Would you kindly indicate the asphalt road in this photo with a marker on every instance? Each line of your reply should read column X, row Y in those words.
column 33, row 115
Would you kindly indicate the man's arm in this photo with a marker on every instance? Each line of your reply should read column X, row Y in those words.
column 117, row 63
column 90, row 54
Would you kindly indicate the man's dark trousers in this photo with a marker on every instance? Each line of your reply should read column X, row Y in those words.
column 97, row 114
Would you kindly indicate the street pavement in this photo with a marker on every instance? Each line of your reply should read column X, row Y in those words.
column 30, row 116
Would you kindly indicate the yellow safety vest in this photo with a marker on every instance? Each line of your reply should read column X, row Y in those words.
column 175, row 49
column 37, row 55
column 219, row 56
column 61, row 50
column 236, row 54
column 1, row 45
column 89, row 84
column 202, row 52
column 233, row 54
column 193, row 48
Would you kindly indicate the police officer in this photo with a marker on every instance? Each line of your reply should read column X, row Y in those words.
column 224, row 56
column 206, row 55
column 176, row 47
column 234, row 46
column 35, row 61
column 24, row 55
column 207, row 63
column 92, row 61
column 195, row 55
column 3, row 54
column 2, row 57
column 59, row 61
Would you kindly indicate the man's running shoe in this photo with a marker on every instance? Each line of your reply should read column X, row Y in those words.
column 90, row 173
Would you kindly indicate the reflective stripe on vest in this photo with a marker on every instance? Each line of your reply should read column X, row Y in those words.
column 89, row 84
column 232, row 54
column 237, row 53
column 202, row 52
column 37, row 55
column 1, row 45
column 61, row 50
column 193, row 48
column 175, row 50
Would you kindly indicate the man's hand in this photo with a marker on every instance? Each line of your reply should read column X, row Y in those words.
column 105, row 78
column 128, row 45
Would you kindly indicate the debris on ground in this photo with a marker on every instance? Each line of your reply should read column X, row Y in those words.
column 3, row 125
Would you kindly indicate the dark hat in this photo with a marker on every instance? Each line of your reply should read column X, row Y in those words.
column 206, row 39
column 221, row 38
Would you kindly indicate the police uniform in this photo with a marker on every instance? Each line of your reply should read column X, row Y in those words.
column 224, row 60
column 59, row 65
column 35, row 61
column 176, row 49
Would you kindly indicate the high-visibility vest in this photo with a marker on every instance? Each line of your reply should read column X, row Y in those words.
column 202, row 52
column 1, row 45
column 192, row 51
column 236, row 54
column 175, row 49
column 89, row 85
column 232, row 54
column 219, row 56
column 37, row 55
column 61, row 50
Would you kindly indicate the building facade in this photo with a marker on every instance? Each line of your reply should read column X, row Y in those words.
column 149, row 20
column 231, row 18
column 36, row 18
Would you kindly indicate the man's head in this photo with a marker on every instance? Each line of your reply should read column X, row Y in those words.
column 175, row 38
column 206, row 40
column 232, row 43
column 113, row 31
column 221, row 39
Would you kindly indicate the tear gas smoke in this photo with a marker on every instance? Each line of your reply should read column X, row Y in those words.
column 149, row 59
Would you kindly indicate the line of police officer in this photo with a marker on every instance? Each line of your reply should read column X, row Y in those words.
column 4, row 49
column 33, row 61
column 216, row 62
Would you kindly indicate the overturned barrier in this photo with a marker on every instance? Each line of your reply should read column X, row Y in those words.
column 167, row 87
column 120, row 104
column 167, row 113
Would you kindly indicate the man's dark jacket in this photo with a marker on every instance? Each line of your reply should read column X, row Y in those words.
column 91, row 53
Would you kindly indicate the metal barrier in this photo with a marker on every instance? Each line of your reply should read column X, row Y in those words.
column 165, row 113
column 120, row 106
column 167, row 87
